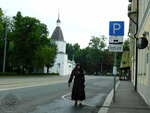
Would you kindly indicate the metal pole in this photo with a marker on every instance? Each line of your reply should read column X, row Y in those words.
column 114, row 75
column 4, row 60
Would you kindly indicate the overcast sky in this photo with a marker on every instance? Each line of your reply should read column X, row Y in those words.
column 80, row 19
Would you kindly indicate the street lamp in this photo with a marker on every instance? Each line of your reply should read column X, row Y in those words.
column 142, row 42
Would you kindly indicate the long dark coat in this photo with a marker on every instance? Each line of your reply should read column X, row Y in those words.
column 78, row 92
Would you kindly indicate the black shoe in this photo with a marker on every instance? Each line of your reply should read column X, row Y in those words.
column 80, row 104
column 75, row 103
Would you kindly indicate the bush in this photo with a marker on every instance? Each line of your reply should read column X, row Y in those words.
column 8, row 73
column 42, row 74
column 29, row 74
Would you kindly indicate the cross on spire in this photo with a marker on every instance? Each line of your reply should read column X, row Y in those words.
column 58, row 20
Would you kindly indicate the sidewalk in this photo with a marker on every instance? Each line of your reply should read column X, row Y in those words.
column 128, row 100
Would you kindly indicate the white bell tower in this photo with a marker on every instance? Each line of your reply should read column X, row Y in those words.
column 62, row 58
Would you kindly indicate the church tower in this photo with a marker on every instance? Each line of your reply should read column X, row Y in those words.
column 58, row 37
column 61, row 60
column 62, row 65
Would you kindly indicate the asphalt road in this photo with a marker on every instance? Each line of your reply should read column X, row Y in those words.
column 55, row 98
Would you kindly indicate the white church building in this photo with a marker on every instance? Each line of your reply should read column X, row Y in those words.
column 62, row 65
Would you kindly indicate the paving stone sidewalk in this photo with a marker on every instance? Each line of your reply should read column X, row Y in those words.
column 128, row 100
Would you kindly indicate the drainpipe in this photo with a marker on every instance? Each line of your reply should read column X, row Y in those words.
column 136, row 46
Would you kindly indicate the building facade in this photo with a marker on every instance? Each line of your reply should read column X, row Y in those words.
column 62, row 65
column 143, row 55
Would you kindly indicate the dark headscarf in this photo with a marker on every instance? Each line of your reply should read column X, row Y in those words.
column 81, row 68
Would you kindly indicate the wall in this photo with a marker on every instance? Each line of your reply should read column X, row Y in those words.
column 61, row 46
column 143, row 86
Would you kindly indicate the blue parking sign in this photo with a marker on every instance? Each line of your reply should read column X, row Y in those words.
column 116, row 28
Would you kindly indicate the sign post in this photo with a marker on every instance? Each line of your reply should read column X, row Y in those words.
column 115, row 73
column 116, row 31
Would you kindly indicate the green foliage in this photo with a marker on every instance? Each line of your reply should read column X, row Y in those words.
column 71, row 50
column 1, row 41
column 29, row 36
column 94, row 57
column 8, row 73
column 3, row 20
column 27, row 45
column 97, row 43
column 44, row 57
column 96, row 54
column 76, row 48
column 80, row 57
column 38, row 61
column 49, row 54
column 108, row 61
column 1, row 24
column 126, row 46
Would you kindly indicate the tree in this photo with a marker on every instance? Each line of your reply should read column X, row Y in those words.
column 1, row 24
column 95, row 54
column 29, row 35
column 44, row 57
column 38, row 61
column 49, row 54
column 76, row 48
column 80, row 57
column 69, row 51
column 108, row 61
column 1, row 39
column 126, row 46
column 98, row 43
column 3, row 21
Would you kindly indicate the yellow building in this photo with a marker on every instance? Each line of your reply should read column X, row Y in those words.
column 143, row 56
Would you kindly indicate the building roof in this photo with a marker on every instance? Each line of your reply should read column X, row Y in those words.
column 57, row 34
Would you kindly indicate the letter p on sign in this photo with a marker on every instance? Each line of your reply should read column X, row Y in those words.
column 116, row 28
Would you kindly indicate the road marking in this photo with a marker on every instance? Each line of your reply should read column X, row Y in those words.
column 63, row 97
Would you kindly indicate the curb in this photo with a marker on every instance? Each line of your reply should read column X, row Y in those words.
column 108, row 101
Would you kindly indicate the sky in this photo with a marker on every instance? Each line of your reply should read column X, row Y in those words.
column 80, row 19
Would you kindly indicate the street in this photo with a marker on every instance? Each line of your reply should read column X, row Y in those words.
column 55, row 98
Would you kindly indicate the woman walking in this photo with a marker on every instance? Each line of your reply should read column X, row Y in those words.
column 78, row 92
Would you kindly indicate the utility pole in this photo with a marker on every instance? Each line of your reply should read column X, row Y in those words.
column 5, row 45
